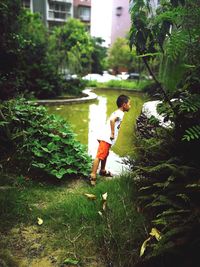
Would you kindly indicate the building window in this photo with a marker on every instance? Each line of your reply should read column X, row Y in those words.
column 119, row 10
column 59, row 10
column 84, row 13
column 26, row 3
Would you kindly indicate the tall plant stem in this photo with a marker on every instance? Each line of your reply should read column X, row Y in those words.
column 7, row 131
column 157, row 82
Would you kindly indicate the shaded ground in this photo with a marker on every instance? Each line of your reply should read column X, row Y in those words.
column 29, row 244
column 75, row 228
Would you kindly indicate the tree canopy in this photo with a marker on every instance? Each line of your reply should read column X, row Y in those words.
column 73, row 47
column 34, row 58
column 120, row 57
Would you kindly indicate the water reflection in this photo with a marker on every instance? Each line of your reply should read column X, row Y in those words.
column 87, row 119
column 97, row 118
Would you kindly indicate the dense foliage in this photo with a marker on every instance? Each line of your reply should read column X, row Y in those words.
column 9, row 46
column 31, row 140
column 99, row 56
column 120, row 58
column 72, row 47
column 38, row 74
column 34, row 60
column 167, row 165
column 25, row 66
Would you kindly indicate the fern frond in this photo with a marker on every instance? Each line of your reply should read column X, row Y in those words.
column 167, row 243
column 172, row 16
column 191, row 104
column 194, row 186
column 163, row 201
column 192, row 133
column 171, row 212
column 176, row 44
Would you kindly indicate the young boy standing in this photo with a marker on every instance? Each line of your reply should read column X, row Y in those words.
column 108, row 137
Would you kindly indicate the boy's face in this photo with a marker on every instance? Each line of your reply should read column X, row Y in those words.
column 127, row 106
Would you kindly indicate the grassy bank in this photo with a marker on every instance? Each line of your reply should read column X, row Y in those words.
column 123, row 84
column 74, row 227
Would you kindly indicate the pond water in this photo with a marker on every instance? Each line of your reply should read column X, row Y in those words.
column 87, row 119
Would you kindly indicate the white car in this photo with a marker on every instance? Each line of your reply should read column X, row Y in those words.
column 100, row 78
column 123, row 76
column 92, row 77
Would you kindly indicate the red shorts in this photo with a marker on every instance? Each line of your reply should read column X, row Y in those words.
column 103, row 150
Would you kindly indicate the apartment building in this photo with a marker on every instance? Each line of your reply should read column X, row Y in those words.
column 82, row 11
column 101, row 20
column 28, row 4
column 121, row 19
column 58, row 11
column 110, row 19
column 53, row 12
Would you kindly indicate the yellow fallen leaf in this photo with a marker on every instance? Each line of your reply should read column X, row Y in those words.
column 90, row 196
column 154, row 232
column 144, row 245
column 39, row 221
column 104, row 196
column 100, row 213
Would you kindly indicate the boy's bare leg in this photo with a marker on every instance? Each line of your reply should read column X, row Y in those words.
column 103, row 165
column 95, row 168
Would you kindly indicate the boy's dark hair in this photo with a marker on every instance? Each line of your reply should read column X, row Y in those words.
column 121, row 100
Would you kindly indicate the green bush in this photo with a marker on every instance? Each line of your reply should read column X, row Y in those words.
column 121, row 84
column 74, row 86
column 40, row 141
column 92, row 83
column 134, row 85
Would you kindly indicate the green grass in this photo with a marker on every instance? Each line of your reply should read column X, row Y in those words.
column 123, row 84
column 72, row 224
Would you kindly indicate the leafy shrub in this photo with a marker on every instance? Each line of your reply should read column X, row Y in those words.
column 74, row 86
column 167, row 182
column 153, row 90
column 92, row 83
column 40, row 141
column 167, row 171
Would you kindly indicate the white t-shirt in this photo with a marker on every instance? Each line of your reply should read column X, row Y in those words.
column 106, row 131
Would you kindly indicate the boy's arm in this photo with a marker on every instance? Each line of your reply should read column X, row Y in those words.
column 112, row 127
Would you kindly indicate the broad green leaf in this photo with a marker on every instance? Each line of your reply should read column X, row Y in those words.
column 71, row 171
column 45, row 149
column 39, row 165
column 70, row 261
column 37, row 153
column 52, row 146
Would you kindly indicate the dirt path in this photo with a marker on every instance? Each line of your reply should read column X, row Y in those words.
column 29, row 249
